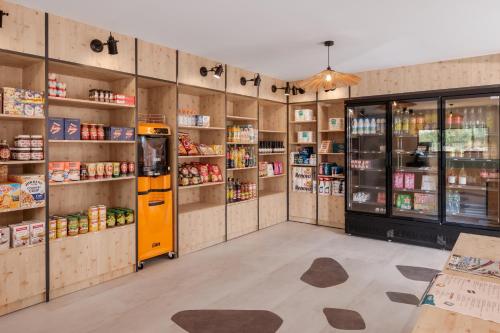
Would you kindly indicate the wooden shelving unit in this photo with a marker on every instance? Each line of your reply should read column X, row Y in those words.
column 22, row 272
column 273, row 189
column 201, row 208
column 242, row 217
column 331, row 207
column 302, row 205
column 68, row 268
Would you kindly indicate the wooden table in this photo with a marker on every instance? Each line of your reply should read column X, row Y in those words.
column 435, row 320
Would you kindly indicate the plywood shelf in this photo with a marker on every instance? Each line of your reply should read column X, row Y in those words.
column 331, row 154
column 272, row 131
column 21, row 162
column 263, row 194
column 240, row 118
column 242, row 143
column 200, row 185
column 195, row 206
column 90, row 181
column 241, row 202
column 83, row 103
column 274, row 176
column 10, row 210
column 331, row 131
column 199, row 156
column 302, row 143
column 303, row 121
column 238, row 169
column 89, row 234
column 19, row 117
column 92, row 141
column 202, row 128
column 272, row 154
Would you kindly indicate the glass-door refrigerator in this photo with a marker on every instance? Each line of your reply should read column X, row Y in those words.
column 366, row 150
column 415, row 149
column 471, row 147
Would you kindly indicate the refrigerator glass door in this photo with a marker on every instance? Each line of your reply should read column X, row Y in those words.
column 415, row 159
column 367, row 158
column 472, row 167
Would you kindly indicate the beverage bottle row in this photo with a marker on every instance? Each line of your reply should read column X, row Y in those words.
column 360, row 126
column 466, row 176
column 267, row 147
column 406, row 122
column 241, row 157
column 242, row 133
column 468, row 118
column 238, row 191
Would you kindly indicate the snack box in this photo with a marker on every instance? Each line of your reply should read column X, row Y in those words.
column 338, row 148
column 37, row 232
column 71, row 129
column 32, row 192
column 4, row 238
column 71, row 171
column 20, row 234
column 303, row 115
column 12, row 101
column 305, row 136
column 336, row 124
column 9, row 195
column 114, row 133
column 128, row 134
column 56, row 129
column 57, row 172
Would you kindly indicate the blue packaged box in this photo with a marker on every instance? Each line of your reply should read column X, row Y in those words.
column 338, row 148
column 128, row 134
column 114, row 133
column 56, row 129
column 71, row 129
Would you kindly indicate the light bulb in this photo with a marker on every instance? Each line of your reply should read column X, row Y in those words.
column 328, row 77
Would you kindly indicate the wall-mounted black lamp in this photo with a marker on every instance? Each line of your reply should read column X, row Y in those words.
column 256, row 80
column 97, row 46
column 2, row 14
column 328, row 90
column 218, row 70
column 294, row 90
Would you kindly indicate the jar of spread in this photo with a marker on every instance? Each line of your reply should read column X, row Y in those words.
column 36, row 141
column 108, row 169
column 131, row 168
column 36, row 154
column 83, row 172
column 116, row 169
column 21, row 154
column 22, row 141
column 100, row 131
column 91, row 170
column 94, row 95
column 4, row 151
column 84, row 131
column 93, row 132
column 123, row 168
column 99, row 170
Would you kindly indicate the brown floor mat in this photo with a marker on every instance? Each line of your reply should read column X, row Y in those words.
column 404, row 298
column 344, row 319
column 325, row 272
column 228, row 321
column 417, row 273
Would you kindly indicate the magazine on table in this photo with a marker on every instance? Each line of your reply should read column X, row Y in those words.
column 479, row 266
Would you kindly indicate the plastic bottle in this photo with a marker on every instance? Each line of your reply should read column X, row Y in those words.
column 397, row 122
column 405, row 127
column 366, row 126
column 354, row 127
column 373, row 126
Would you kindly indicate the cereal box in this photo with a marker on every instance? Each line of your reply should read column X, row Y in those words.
column 409, row 181
column 20, row 234
column 9, row 195
column 56, row 172
column 398, row 180
column 71, row 129
column 32, row 193
column 37, row 232
column 56, row 129
column 128, row 134
column 4, row 238
column 114, row 133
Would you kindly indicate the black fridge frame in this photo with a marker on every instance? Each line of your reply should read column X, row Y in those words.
column 417, row 231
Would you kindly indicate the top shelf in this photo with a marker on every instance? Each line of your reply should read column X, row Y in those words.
column 303, row 121
column 82, row 103
column 241, row 118
column 19, row 117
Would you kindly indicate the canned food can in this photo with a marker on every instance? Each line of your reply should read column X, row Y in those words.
column 61, row 233
column 123, row 168
column 108, row 170
column 61, row 223
column 99, row 173
column 91, row 170
column 116, row 169
column 131, row 168
column 93, row 213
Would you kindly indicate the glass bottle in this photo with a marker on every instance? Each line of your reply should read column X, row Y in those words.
column 449, row 120
column 405, row 128
column 452, row 176
column 413, row 123
column 462, row 176
column 354, row 127
column 4, row 151
column 373, row 126
column 397, row 122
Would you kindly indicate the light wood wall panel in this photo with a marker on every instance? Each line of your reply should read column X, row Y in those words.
column 156, row 61
column 242, row 219
column 189, row 72
column 23, row 30
column 272, row 209
column 331, row 211
column 265, row 91
column 339, row 93
column 308, row 96
column 234, row 86
column 70, row 41
column 460, row 73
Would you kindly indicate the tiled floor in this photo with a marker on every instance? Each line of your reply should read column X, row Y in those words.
column 260, row 271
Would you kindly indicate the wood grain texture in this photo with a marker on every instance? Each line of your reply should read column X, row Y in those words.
column 242, row 219
column 86, row 260
column 189, row 72
column 23, row 30
column 156, row 61
column 272, row 209
column 70, row 41
column 266, row 93
column 234, row 86
column 22, row 278
column 339, row 93
column 308, row 96
column 459, row 73
column 331, row 211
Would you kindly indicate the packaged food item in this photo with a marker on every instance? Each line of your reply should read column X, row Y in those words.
column 83, row 224
column 398, row 180
column 61, row 233
column 36, row 154
column 110, row 219
column 5, row 151
column 120, row 217
column 9, row 195
column 52, row 223
column 204, row 176
column 22, row 141
column 91, row 170
column 73, row 225
column 36, row 141
column 56, row 172
column 93, row 225
column 424, row 202
column 101, row 212
column 336, row 124
column 108, row 170
column 84, row 132
column 128, row 134
column 21, row 154
column 32, row 190
column 409, row 181
column 215, row 173
column 4, row 238
column 71, row 129
column 100, row 132
column 93, row 132
column 56, row 128
column 37, row 232
column 113, row 133
column 304, row 114
column 123, row 168
column 305, row 136
column 129, row 215
column 83, row 172
column 52, row 234
column 20, row 234
column 93, row 213
column 116, row 169
column 61, row 223
column 99, row 174
column 131, row 168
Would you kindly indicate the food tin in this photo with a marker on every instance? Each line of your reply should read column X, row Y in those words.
column 100, row 131
column 123, row 168
column 93, row 213
column 36, row 154
column 52, row 223
column 61, row 223
column 36, row 141
column 101, row 212
column 99, row 170
column 93, row 131
column 61, row 233
column 73, row 225
column 116, row 169
column 93, row 225
column 52, row 234
column 21, row 154
column 22, row 141
column 83, row 224
column 108, row 170
column 84, row 131
column 91, row 170
column 131, row 168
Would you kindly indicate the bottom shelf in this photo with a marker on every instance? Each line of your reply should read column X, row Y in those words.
column 331, row 211
column 242, row 218
column 302, row 207
column 272, row 208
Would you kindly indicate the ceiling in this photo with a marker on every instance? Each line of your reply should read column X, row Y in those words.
column 282, row 38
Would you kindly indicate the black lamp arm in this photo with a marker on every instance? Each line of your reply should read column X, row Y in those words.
column 2, row 14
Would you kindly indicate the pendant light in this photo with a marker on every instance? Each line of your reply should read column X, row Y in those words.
column 329, row 79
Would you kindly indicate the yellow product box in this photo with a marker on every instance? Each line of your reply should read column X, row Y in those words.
column 9, row 195
column 32, row 192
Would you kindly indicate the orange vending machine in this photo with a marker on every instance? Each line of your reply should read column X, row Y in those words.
column 155, row 214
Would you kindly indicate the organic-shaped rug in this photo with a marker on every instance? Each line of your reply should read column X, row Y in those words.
column 228, row 321
column 344, row 319
column 417, row 273
column 404, row 298
column 325, row 272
